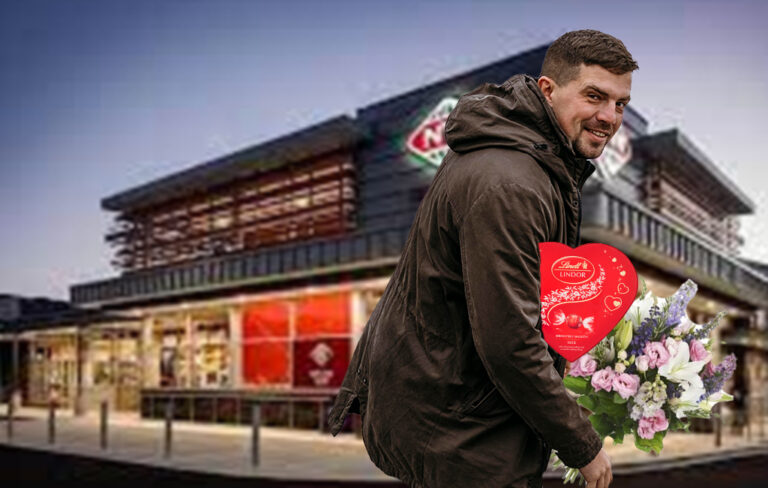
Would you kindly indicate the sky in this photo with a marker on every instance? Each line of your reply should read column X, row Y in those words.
column 100, row 96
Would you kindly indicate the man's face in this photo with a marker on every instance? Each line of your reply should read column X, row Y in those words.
column 590, row 107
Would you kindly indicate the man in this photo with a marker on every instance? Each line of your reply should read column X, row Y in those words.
column 453, row 380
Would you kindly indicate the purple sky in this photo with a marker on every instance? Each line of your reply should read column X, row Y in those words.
column 97, row 97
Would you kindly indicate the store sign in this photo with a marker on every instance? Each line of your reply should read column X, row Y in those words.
column 427, row 142
column 320, row 362
column 615, row 155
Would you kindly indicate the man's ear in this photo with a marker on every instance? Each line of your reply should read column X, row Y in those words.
column 547, row 86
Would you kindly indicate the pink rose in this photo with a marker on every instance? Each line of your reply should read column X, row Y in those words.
column 657, row 354
column 648, row 426
column 625, row 384
column 709, row 369
column 603, row 379
column 659, row 421
column 699, row 352
column 584, row 366
column 645, row 428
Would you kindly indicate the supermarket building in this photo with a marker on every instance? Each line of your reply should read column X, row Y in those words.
column 250, row 277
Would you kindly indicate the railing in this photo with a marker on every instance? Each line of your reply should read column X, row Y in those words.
column 649, row 231
column 280, row 263
column 236, row 406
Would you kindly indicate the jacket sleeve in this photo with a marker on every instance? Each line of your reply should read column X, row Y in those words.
column 499, row 237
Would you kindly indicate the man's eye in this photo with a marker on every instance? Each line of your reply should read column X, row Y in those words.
column 593, row 96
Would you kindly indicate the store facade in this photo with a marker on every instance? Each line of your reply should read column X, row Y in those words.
column 250, row 277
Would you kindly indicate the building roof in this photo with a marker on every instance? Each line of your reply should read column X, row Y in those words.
column 328, row 136
column 45, row 313
column 682, row 159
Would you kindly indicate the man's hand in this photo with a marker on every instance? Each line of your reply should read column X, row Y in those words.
column 598, row 472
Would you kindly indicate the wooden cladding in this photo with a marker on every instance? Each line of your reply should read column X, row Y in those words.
column 305, row 200
column 668, row 199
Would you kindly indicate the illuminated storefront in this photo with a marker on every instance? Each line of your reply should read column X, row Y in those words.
column 250, row 277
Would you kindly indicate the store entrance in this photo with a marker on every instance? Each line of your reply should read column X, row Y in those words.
column 112, row 368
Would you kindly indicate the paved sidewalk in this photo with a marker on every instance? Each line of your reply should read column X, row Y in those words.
column 284, row 453
column 220, row 449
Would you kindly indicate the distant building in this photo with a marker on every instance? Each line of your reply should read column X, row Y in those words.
column 252, row 275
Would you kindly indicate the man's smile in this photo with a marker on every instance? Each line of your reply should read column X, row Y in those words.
column 598, row 135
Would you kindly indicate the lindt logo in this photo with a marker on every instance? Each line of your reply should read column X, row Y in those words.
column 573, row 269
column 427, row 142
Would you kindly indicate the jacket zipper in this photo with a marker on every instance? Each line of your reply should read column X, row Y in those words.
column 578, row 225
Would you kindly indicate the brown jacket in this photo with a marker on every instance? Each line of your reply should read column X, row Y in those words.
column 453, row 380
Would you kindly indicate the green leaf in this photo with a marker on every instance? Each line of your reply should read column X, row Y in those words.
column 576, row 384
column 642, row 444
column 607, row 406
column 655, row 444
column 641, row 288
column 602, row 426
column 587, row 402
column 617, row 398
column 618, row 437
column 698, row 413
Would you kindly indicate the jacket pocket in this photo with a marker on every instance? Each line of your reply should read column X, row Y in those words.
column 488, row 404
column 345, row 401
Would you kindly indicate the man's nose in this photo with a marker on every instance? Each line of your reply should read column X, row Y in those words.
column 607, row 114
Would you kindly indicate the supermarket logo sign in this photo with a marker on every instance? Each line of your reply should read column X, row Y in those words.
column 427, row 142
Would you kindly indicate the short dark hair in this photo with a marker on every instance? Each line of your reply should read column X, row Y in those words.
column 590, row 47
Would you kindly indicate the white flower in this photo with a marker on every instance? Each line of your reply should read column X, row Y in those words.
column 642, row 363
column 640, row 310
column 622, row 354
column 684, row 327
column 680, row 407
column 680, row 369
column 672, row 346
column 620, row 367
column 714, row 398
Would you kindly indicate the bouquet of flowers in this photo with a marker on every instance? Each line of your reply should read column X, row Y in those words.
column 650, row 373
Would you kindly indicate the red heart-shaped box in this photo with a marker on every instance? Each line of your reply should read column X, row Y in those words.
column 585, row 292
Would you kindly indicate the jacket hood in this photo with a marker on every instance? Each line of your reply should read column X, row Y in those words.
column 515, row 114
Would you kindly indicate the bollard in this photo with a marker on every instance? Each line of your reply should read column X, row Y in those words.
column 168, row 428
column 255, row 423
column 9, row 420
column 321, row 416
column 104, row 423
column 718, row 425
column 51, row 422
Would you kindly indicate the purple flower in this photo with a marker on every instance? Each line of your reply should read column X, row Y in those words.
column 584, row 366
column 674, row 390
column 714, row 377
column 679, row 301
column 644, row 332
column 625, row 384
column 658, row 355
column 603, row 379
